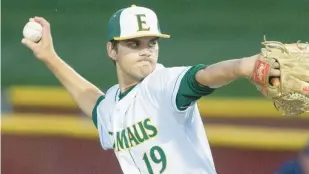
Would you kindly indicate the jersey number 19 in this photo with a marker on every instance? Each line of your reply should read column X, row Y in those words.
column 157, row 155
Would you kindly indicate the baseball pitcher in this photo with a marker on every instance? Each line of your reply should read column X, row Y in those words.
column 150, row 118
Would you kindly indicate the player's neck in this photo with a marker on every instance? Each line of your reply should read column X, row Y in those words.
column 125, row 81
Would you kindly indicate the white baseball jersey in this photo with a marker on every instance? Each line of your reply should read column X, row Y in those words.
column 147, row 131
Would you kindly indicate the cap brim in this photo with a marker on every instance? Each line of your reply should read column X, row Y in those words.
column 142, row 35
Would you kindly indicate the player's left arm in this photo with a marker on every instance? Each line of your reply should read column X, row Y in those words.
column 225, row 72
column 201, row 80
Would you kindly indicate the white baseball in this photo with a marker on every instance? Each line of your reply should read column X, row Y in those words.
column 33, row 31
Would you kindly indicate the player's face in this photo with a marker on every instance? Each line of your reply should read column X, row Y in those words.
column 137, row 57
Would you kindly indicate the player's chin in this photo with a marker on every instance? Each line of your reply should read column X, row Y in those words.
column 144, row 71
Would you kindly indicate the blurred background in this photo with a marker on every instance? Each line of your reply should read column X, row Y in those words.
column 43, row 131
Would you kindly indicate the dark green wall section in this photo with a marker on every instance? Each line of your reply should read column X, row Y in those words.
column 202, row 31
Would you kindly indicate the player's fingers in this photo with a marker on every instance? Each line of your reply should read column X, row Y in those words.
column 28, row 43
column 276, row 65
column 41, row 21
column 275, row 72
column 46, row 26
column 275, row 81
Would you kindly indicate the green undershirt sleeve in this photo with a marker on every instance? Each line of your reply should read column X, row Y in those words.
column 190, row 90
column 94, row 111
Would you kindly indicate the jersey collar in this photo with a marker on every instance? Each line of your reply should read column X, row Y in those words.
column 122, row 95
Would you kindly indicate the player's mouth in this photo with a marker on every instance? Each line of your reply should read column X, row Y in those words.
column 144, row 61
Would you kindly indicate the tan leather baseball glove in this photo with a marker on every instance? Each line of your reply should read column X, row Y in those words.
column 291, row 95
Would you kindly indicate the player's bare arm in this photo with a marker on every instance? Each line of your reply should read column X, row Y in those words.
column 83, row 92
column 223, row 73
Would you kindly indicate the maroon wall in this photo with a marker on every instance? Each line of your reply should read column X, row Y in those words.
column 62, row 155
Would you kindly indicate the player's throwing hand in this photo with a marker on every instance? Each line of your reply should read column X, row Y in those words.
column 44, row 49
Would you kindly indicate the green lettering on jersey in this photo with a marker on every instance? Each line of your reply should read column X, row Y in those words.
column 148, row 126
column 121, row 140
column 132, row 138
column 141, row 137
column 135, row 135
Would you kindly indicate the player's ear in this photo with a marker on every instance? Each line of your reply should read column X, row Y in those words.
column 111, row 50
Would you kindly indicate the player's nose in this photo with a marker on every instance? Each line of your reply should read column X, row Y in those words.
column 146, row 52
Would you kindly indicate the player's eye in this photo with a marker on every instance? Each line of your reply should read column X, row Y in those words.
column 133, row 44
column 152, row 43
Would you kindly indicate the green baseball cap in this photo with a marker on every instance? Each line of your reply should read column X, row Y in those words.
column 133, row 22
